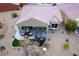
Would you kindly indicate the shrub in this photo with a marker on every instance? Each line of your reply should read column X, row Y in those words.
column 14, row 15
column 1, row 26
column 46, row 45
column 1, row 36
column 71, row 25
column 41, row 42
column 16, row 42
column 66, row 45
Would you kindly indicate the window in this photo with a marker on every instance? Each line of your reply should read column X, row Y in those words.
column 54, row 25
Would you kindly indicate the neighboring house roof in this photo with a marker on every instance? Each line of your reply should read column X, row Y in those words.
column 8, row 7
column 42, row 13
column 70, row 9
column 55, row 20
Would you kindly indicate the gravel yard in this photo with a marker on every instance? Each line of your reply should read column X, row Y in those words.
column 10, row 31
column 58, row 38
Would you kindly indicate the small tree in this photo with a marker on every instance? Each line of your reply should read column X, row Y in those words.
column 16, row 42
column 71, row 25
column 46, row 45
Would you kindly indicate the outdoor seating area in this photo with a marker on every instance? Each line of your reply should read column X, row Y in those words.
column 36, row 32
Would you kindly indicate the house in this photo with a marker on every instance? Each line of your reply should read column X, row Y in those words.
column 35, row 20
column 72, row 11
column 9, row 7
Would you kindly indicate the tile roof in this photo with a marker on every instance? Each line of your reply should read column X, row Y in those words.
column 44, row 13
column 70, row 9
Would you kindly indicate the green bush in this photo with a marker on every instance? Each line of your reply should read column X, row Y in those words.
column 1, row 25
column 71, row 25
column 14, row 15
column 66, row 45
column 16, row 42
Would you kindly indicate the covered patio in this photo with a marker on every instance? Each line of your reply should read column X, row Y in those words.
column 35, row 32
